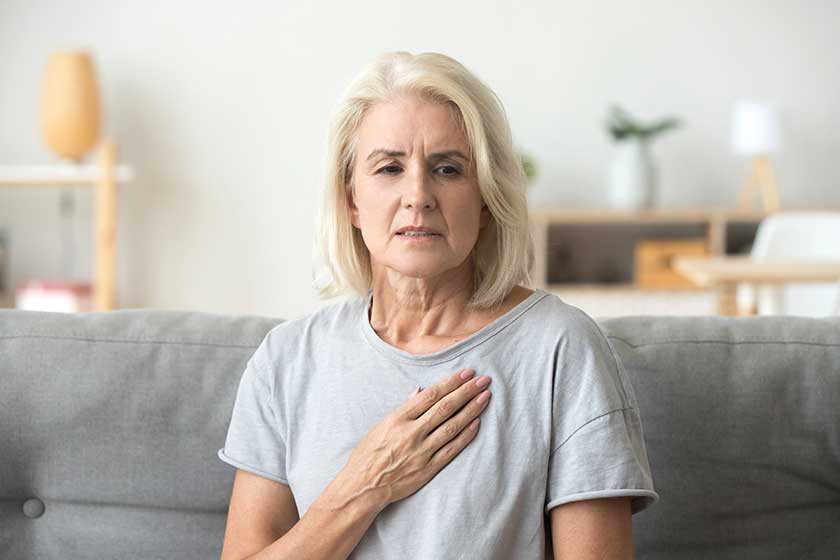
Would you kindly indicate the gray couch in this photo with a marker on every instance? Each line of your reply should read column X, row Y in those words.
column 110, row 423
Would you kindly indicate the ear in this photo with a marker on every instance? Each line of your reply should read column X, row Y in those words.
column 485, row 216
column 351, row 205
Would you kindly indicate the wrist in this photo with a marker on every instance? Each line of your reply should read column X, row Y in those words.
column 340, row 495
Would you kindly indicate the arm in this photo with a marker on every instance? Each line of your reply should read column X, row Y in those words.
column 263, row 523
column 399, row 455
column 593, row 529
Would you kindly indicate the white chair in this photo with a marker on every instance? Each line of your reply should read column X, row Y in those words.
column 795, row 235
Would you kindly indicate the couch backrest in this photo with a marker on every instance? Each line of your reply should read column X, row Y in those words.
column 742, row 428
column 110, row 423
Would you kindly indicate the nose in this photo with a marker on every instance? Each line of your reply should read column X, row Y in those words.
column 418, row 192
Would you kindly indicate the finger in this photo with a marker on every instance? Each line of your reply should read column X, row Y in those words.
column 447, row 431
column 445, row 454
column 424, row 400
column 451, row 404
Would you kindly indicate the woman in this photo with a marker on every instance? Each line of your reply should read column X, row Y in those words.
column 425, row 219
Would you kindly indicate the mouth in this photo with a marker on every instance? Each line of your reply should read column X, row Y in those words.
column 417, row 235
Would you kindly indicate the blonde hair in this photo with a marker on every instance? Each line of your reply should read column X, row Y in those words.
column 504, row 253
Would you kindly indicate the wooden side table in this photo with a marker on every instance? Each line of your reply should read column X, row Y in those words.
column 726, row 272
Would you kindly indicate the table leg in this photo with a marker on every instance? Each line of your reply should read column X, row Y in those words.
column 727, row 300
column 753, row 303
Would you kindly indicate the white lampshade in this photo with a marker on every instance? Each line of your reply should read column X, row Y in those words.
column 755, row 128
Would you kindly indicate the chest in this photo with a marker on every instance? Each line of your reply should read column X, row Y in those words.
column 427, row 344
column 336, row 411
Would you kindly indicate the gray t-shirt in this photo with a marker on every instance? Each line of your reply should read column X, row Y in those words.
column 562, row 425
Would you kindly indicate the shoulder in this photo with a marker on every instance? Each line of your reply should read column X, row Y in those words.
column 579, row 344
column 551, row 327
column 576, row 329
column 557, row 316
column 586, row 360
column 325, row 322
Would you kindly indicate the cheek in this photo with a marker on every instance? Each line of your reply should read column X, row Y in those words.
column 367, row 206
column 466, row 222
column 375, row 221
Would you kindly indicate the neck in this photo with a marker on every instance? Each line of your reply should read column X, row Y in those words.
column 407, row 310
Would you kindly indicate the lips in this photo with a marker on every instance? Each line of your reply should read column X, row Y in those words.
column 419, row 229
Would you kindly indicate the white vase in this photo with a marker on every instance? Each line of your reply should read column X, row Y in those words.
column 632, row 176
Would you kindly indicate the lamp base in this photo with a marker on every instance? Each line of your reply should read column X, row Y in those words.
column 760, row 178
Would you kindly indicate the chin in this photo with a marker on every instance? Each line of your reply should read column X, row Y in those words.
column 415, row 269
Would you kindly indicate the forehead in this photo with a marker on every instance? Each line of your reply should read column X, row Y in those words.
column 404, row 122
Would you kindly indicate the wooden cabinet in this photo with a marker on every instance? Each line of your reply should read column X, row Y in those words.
column 604, row 249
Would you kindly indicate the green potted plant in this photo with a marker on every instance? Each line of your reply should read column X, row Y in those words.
column 633, row 174
column 529, row 166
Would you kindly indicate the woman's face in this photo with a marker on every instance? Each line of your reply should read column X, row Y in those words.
column 412, row 168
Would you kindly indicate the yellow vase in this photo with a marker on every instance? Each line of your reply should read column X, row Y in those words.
column 70, row 109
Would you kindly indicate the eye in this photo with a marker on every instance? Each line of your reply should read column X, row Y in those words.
column 445, row 170
column 386, row 171
column 452, row 170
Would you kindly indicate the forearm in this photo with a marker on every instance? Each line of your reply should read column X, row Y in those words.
column 329, row 530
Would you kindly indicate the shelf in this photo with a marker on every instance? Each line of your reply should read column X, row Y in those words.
column 617, row 288
column 59, row 174
column 595, row 249
column 613, row 302
column 664, row 215
column 104, row 176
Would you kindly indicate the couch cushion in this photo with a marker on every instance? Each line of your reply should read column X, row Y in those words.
column 742, row 427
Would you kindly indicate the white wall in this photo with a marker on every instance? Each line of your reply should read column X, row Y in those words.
column 223, row 109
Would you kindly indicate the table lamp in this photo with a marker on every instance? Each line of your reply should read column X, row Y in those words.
column 756, row 133
column 70, row 109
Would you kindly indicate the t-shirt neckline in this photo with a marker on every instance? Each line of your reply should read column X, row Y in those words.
column 452, row 351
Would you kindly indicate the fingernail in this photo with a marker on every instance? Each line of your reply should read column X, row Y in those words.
column 466, row 374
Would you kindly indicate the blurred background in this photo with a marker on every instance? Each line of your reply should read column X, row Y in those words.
column 641, row 123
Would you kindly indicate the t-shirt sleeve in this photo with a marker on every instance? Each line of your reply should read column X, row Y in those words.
column 597, row 442
column 255, row 439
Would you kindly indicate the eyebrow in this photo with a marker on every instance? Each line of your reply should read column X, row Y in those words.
column 436, row 155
